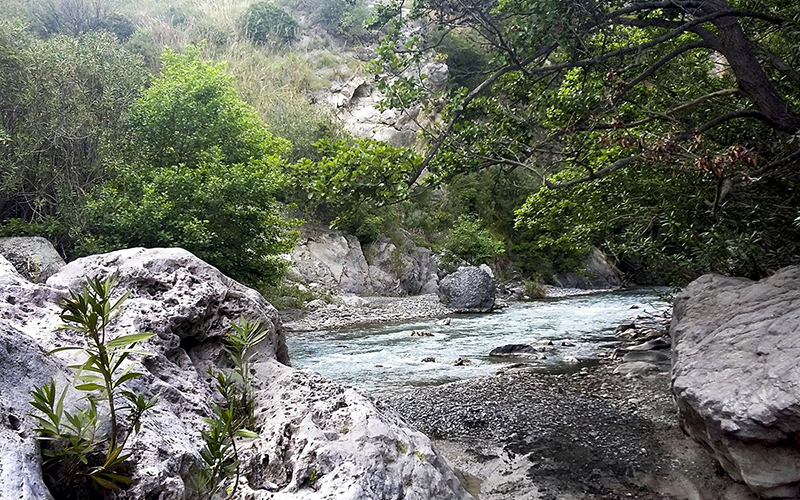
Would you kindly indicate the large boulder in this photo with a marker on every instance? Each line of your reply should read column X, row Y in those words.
column 736, row 376
column 331, row 259
column 470, row 289
column 407, row 269
column 34, row 257
column 317, row 438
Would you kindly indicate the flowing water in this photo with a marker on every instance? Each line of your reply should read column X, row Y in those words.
column 386, row 358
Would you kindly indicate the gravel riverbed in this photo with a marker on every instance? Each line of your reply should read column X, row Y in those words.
column 592, row 434
column 359, row 311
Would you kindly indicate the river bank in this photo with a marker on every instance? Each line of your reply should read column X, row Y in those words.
column 603, row 428
column 350, row 311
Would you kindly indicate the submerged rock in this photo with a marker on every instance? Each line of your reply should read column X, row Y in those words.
column 469, row 289
column 736, row 377
column 317, row 438
column 513, row 350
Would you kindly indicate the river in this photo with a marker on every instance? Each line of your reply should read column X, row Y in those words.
column 387, row 358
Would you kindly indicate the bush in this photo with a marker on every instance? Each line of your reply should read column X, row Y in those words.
column 63, row 100
column 351, row 181
column 265, row 22
column 78, row 450
column 75, row 18
column 192, row 107
column 205, row 182
column 343, row 18
column 469, row 242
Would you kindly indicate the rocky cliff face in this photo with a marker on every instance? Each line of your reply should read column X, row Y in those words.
column 317, row 439
column 327, row 259
column 736, row 376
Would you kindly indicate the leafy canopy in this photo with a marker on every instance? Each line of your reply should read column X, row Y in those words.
column 574, row 92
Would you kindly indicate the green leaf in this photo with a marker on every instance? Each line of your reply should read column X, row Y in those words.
column 246, row 434
column 128, row 340
column 67, row 348
column 90, row 387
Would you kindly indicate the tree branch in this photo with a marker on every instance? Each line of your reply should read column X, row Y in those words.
column 654, row 116
column 603, row 172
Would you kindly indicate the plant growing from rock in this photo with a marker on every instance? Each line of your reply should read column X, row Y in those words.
column 78, row 448
column 233, row 417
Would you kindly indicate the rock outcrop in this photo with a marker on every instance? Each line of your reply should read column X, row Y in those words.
column 356, row 103
column 325, row 259
column 469, row 289
column 597, row 272
column 34, row 257
column 736, row 376
column 317, row 438
column 408, row 270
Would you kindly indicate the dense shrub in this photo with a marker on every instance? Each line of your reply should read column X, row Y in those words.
column 265, row 22
column 657, row 222
column 77, row 17
column 351, row 182
column 469, row 242
column 62, row 102
column 344, row 18
column 201, row 174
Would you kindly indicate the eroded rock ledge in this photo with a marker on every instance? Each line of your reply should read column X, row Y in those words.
column 308, row 425
column 736, row 376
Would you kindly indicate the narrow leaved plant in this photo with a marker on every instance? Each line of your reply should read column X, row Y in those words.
column 76, row 448
column 234, row 416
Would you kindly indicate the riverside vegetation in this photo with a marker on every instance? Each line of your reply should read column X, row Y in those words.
column 93, row 158
column 664, row 133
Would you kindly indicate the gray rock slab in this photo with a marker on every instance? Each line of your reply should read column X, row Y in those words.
column 736, row 376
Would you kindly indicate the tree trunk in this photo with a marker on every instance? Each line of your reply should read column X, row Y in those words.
column 750, row 76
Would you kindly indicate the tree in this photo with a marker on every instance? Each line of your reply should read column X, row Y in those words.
column 201, row 173
column 585, row 89
column 61, row 106
column 351, row 182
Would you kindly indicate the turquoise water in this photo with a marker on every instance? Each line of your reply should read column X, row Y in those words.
column 387, row 357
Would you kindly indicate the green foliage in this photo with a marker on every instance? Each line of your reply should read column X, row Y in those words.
column 205, row 182
column 468, row 62
column 351, row 181
column 265, row 22
column 233, row 416
column 287, row 294
column 192, row 107
column 534, row 289
column 73, row 438
column 469, row 242
column 225, row 214
column 657, row 223
column 345, row 18
column 78, row 17
column 580, row 91
column 63, row 100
